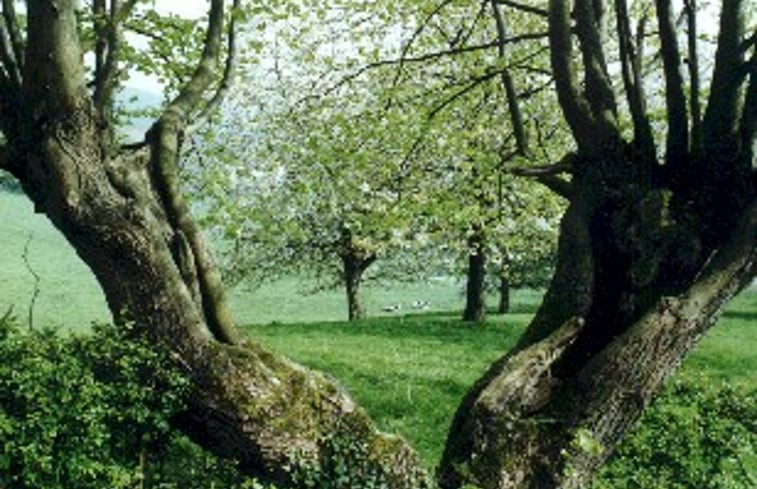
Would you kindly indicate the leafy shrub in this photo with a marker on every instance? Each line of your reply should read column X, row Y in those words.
column 94, row 412
column 695, row 436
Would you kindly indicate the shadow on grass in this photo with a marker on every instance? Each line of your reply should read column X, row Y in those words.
column 403, row 330
column 744, row 315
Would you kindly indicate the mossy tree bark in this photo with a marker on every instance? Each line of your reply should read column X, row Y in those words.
column 649, row 253
column 123, row 212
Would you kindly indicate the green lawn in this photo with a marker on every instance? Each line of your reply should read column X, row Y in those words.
column 70, row 298
column 410, row 372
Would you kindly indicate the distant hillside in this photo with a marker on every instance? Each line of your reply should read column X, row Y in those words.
column 68, row 295
column 135, row 100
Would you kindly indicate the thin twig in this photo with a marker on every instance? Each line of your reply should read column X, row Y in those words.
column 37, row 279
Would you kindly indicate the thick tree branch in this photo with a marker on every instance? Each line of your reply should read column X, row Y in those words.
column 191, row 95
column 190, row 252
column 228, row 72
column 560, row 186
column 719, row 125
column 108, row 48
column 598, row 87
column 11, row 24
column 677, row 145
column 573, row 103
column 619, row 383
column 690, row 10
column 630, row 59
column 563, row 166
column 514, row 387
column 54, row 71
column 547, row 175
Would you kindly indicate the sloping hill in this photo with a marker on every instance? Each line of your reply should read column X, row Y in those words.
column 68, row 293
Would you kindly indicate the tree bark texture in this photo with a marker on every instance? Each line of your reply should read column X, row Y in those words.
column 124, row 214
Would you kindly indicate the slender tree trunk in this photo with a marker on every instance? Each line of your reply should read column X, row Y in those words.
column 504, row 292
column 475, row 290
column 356, row 258
column 353, row 273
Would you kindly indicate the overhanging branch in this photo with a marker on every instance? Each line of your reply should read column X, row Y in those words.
column 470, row 86
column 428, row 57
column 418, row 31
column 563, row 166
column 547, row 175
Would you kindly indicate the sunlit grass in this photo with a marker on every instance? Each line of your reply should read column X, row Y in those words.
column 411, row 372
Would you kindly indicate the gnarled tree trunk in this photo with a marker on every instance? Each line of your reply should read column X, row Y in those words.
column 649, row 253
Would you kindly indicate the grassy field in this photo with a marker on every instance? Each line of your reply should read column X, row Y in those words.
column 400, row 367
column 409, row 371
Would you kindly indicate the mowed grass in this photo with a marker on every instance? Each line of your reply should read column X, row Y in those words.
column 410, row 372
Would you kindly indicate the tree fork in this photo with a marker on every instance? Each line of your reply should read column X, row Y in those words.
column 517, row 427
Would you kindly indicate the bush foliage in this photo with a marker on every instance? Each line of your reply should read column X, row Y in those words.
column 695, row 436
column 94, row 412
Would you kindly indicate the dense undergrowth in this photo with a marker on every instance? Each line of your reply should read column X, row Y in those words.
column 95, row 410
